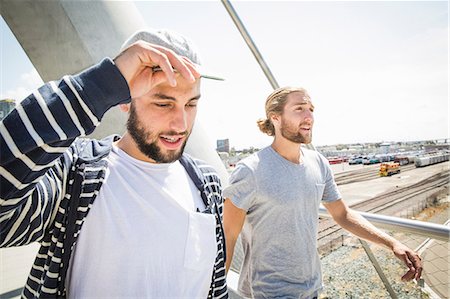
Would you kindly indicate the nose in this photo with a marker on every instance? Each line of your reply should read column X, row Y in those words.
column 179, row 121
column 309, row 115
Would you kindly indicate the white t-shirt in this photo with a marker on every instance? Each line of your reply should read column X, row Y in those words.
column 143, row 237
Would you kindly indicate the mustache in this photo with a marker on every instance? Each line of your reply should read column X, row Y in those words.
column 308, row 123
column 174, row 133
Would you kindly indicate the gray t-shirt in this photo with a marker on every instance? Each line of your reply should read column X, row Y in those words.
column 279, row 236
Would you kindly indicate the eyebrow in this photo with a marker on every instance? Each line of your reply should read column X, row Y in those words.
column 162, row 96
column 303, row 103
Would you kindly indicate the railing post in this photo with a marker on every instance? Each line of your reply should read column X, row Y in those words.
column 377, row 267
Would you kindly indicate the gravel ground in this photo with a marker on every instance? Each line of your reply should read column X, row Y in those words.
column 348, row 273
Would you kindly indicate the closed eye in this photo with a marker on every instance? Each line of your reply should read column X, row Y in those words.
column 162, row 105
column 192, row 103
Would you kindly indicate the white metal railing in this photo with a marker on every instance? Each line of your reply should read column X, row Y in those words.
column 431, row 230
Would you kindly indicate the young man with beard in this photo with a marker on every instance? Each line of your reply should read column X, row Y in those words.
column 128, row 216
column 274, row 197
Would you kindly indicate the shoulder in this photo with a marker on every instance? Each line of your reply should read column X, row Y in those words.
column 93, row 149
column 199, row 168
column 202, row 165
column 204, row 176
column 253, row 161
column 250, row 167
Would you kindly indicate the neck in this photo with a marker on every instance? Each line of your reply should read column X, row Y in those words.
column 287, row 149
column 127, row 144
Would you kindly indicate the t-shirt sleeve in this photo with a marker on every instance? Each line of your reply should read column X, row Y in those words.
column 331, row 192
column 242, row 188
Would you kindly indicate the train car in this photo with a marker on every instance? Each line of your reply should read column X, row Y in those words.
column 389, row 168
column 384, row 158
column 431, row 159
column 402, row 160
column 411, row 159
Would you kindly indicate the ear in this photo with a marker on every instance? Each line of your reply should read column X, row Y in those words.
column 125, row 107
column 275, row 118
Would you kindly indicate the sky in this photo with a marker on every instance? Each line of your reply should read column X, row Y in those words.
column 377, row 71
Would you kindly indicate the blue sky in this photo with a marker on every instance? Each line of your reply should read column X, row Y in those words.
column 377, row 71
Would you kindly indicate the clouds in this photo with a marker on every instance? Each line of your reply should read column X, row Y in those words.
column 24, row 86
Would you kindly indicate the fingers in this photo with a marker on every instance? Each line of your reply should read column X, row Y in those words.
column 409, row 275
column 137, row 64
column 153, row 55
column 417, row 263
column 414, row 264
column 192, row 67
column 169, row 61
column 418, row 273
column 411, row 270
column 183, row 66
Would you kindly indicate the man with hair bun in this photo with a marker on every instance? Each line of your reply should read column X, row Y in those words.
column 273, row 202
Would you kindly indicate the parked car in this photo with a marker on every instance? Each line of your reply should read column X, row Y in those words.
column 354, row 161
column 369, row 161
column 335, row 160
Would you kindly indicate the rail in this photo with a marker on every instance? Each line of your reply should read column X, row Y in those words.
column 430, row 230
column 250, row 43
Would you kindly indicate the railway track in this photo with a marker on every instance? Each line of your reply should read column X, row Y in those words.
column 382, row 203
column 364, row 174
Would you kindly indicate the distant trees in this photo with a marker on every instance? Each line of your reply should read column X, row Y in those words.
column 246, row 151
column 250, row 150
column 341, row 147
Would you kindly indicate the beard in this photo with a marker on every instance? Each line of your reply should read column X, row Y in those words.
column 293, row 134
column 151, row 149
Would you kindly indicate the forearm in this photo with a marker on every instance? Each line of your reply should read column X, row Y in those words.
column 34, row 142
column 44, row 125
column 234, row 218
column 230, row 252
column 359, row 226
column 362, row 228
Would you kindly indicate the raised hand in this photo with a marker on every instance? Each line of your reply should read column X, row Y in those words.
column 137, row 64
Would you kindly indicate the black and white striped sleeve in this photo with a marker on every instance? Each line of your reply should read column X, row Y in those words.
column 34, row 142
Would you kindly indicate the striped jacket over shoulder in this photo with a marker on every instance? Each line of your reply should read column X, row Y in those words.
column 49, row 178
